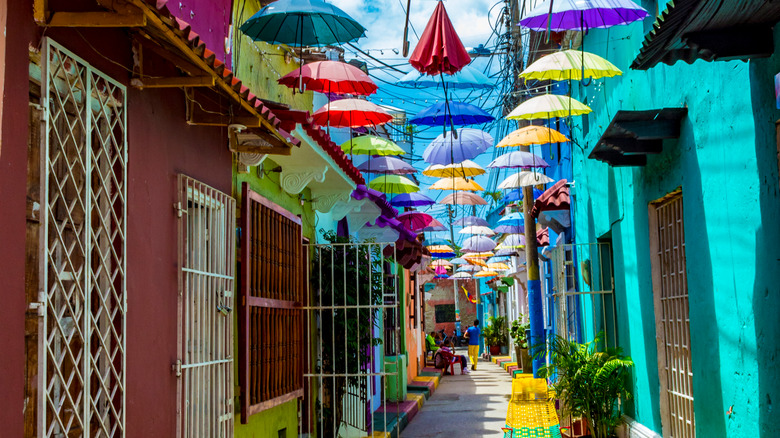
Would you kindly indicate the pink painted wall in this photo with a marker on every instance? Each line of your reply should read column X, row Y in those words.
column 210, row 19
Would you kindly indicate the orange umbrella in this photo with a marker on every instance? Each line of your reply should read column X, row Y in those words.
column 532, row 135
column 456, row 184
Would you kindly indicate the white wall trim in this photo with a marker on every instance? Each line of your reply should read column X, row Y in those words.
column 632, row 429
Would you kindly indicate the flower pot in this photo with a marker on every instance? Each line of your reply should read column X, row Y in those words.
column 524, row 359
column 495, row 350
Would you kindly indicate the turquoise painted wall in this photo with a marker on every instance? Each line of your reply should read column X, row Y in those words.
column 726, row 164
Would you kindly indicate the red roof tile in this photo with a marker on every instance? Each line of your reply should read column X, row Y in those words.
column 555, row 198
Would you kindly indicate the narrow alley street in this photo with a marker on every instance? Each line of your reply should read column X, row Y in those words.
column 465, row 405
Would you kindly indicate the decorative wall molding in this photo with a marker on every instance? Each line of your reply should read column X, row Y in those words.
column 324, row 202
column 295, row 179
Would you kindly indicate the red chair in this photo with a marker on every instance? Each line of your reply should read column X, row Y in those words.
column 449, row 359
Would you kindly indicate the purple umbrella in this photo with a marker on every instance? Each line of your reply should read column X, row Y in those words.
column 415, row 220
column 506, row 252
column 513, row 241
column 415, row 199
column 582, row 15
column 387, row 164
column 509, row 229
column 471, row 221
column 517, row 159
column 478, row 244
column 445, row 149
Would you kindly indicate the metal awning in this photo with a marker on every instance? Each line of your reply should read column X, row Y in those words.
column 632, row 135
column 710, row 29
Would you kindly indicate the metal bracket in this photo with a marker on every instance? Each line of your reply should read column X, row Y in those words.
column 176, row 367
column 39, row 306
column 179, row 210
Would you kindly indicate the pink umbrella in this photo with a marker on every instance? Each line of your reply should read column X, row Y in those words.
column 435, row 225
column 415, row 220
column 330, row 77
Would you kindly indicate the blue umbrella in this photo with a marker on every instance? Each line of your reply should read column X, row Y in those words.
column 448, row 148
column 517, row 194
column 414, row 199
column 452, row 113
column 302, row 23
column 512, row 219
column 509, row 229
column 468, row 78
column 386, row 164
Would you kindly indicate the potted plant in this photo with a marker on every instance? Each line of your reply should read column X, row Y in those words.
column 519, row 330
column 495, row 334
column 589, row 382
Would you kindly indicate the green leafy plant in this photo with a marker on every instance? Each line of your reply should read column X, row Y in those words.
column 589, row 382
column 496, row 196
column 495, row 332
column 518, row 330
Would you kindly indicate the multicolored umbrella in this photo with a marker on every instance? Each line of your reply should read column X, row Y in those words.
column 478, row 244
column 518, row 159
column 471, row 220
column 464, row 169
column 449, row 149
column 456, row 184
column 463, row 198
column 477, row 229
column 532, row 135
column 523, row 179
column 351, row 113
column 411, row 200
column 415, row 220
column 451, row 113
column 467, row 78
column 548, row 106
column 570, row 64
column 440, row 49
column 393, row 184
column 563, row 15
column 371, row 145
column 330, row 77
column 387, row 164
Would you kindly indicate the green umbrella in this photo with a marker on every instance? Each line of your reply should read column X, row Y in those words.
column 371, row 145
column 393, row 184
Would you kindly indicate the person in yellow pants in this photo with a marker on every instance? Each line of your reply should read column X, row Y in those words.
column 472, row 334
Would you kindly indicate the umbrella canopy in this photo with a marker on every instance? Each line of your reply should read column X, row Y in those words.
column 330, row 77
column 351, row 113
column 468, row 268
column 411, row 200
column 451, row 113
column 415, row 220
column 570, row 64
column 512, row 219
column 387, row 165
column 435, row 225
column 464, row 169
column 446, row 149
column 459, row 261
column 478, row 244
column 463, row 198
column 517, row 159
column 532, row 135
column 441, row 263
column 517, row 194
column 523, row 179
column 302, row 23
column 582, row 15
column 507, row 252
column 498, row 266
column 371, row 145
column 548, row 106
column 477, row 229
column 472, row 257
column 440, row 49
column 471, row 220
column 456, row 184
column 461, row 276
column 393, row 184
column 512, row 241
column 509, row 229
column 467, row 78
column 488, row 273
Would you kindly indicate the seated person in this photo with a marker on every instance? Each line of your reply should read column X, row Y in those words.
column 430, row 343
column 447, row 348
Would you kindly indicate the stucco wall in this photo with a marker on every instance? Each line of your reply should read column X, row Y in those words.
column 442, row 294
column 725, row 161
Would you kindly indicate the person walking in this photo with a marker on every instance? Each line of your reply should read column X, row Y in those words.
column 472, row 334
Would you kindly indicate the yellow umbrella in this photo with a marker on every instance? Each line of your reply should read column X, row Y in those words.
column 440, row 248
column 532, row 135
column 498, row 266
column 463, row 169
column 441, row 262
column 548, row 106
column 478, row 262
column 570, row 64
column 486, row 274
column 456, row 184
column 477, row 255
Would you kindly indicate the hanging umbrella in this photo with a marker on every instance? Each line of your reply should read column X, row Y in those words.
column 330, row 77
column 430, row 243
column 302, row 23
column 451, row 113
column 570, row 64
column 464, row 169
column 435, row 225
column 442, row 254
column 498, row 266
column 517, row 194
column 488, row 273
column 415, row 220
column 497, row 259
column 512, row 241
column 507, row 252
column 456, row 184
column 515, row 219
column 393, row 184
column 471, row 220
column 548, row 106
column 390, row 165
column 524, row 178
column 463, row 198
column 371, row 145
column 351, row 113
column 449, row 149
column 461, row 276
column 440, row 49
column 509, row 229
column 477, row 229
column 582, row 15
column 411, row 200
column 478, row 244
column 532, row 135
column 468, row 268
column 441, row 263
column 459, row 261
column 518, row 159
column 467, row 78
column 474, row 256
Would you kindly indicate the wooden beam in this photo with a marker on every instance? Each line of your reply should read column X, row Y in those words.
column 148, row 44
column 96, row 19
column 41, row 11
column 176, row 82
column 273, row 150
column 206, row 119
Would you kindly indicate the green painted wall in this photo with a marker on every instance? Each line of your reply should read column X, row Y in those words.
column 267, row 424
column 726, row 164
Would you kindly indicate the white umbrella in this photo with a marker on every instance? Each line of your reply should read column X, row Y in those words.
column 461, row 275
column 524, row 179
column 477, row 229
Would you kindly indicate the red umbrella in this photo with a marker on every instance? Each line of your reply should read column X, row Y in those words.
column 331, row 77
column 440, row 49
column 415, row 220
column 351, row 113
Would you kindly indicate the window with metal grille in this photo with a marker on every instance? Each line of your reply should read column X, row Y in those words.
column 206, row 284
column 271, row 307
column 444, row 313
